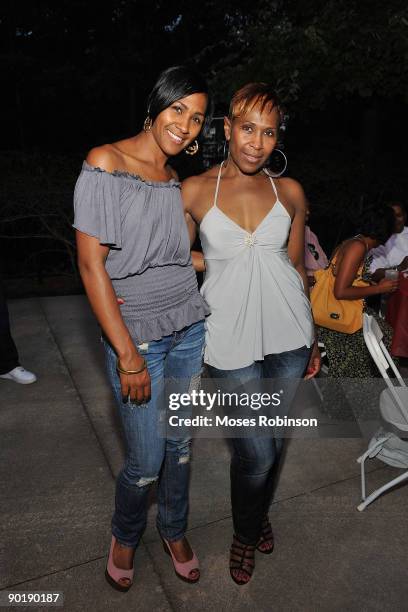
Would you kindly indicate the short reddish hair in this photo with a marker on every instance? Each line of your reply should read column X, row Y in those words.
column 251, row 95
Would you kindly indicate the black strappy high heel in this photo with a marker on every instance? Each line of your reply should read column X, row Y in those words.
column 266, row 540
column 242, row 560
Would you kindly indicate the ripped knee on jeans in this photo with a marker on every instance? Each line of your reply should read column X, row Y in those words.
column 184, row 458
column 145, row 481
column 183, row 450
column 179, row 448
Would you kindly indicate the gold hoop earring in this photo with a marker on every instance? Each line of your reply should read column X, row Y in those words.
column 192, row 149
column 147, row 125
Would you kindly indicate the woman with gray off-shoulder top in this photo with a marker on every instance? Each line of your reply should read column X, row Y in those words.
column 135, row 263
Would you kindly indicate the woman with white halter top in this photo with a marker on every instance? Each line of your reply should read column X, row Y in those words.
column 260, row 326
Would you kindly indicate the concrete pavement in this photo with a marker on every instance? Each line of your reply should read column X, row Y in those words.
column 61, row 449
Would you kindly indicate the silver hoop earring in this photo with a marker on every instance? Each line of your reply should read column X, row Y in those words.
column 225, row 152
column 284, row 167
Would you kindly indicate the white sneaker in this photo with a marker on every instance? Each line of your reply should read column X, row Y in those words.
column 20, row 375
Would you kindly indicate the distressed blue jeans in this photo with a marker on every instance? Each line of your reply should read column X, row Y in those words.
column 150, row 456
column 255, row 460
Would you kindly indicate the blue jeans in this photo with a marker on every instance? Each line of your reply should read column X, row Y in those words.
column 255, row 460
column 150, row 456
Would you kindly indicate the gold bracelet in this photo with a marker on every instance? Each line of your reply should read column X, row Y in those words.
column 122, row 371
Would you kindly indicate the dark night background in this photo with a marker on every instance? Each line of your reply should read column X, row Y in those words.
column 76, row 74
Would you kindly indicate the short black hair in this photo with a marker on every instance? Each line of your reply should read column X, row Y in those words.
column 377, row 223
column 174, row 83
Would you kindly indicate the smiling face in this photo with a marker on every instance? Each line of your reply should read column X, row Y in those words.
column 179, row 124
column 252, row 137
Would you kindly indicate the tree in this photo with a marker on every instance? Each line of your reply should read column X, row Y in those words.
column 331, row 49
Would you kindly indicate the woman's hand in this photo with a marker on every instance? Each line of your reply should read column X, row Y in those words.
column 136, row 387
column 403, row 265
column 198, row 261
column 388, row 285
column 315, row 362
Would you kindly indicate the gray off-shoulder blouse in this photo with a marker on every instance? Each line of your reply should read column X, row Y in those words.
column 149, row 259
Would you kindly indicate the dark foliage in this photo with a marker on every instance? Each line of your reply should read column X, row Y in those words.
column 77, row 74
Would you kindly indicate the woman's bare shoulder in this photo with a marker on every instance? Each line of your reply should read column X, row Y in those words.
column 208, row 175
column 351, row 251
column 201, row 181
column 354, row 246
column 198, row 190
column 104, row 157
column 292, row 191
column 290, row 187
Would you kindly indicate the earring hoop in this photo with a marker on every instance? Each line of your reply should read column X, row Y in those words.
column 225, row 152
column 147, row 125
column 192, row 148
column 284, row 167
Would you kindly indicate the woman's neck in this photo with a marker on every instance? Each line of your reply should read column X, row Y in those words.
column 232, row 170
column 144, row 147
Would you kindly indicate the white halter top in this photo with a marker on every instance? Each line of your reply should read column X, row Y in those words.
column 256, row 296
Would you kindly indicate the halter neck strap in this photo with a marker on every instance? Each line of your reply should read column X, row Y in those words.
column 273, row 184
column 218, row 184
column 217, row 188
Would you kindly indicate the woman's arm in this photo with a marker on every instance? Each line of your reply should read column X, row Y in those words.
column 198, row 261
column 98, row 286
column 188, row 194
column 347, row 269
column 296, row 242
column 296, row 252
column 196, row 256
column 191, row 226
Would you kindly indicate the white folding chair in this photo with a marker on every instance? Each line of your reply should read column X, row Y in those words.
column 393, row 403
column 324, row 369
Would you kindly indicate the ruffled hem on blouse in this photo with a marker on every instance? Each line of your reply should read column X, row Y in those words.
column 147, row 330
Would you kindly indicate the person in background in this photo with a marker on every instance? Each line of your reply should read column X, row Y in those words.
column 347, row 353
column 315, row 257
column 10, row 367
column 394, row 253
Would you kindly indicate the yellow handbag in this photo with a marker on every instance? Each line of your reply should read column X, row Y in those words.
column 344, row 316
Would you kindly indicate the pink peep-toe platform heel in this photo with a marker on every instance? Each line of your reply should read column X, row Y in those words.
column 183, row 570
column 114, row 574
